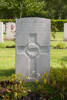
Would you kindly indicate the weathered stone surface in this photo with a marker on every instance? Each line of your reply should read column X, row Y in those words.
column 10, row 30
column 32, row 46
column 4, row 28
column 1, row 32
column 65, row 31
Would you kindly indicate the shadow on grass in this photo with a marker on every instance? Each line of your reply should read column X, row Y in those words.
column 64, row 59
column 7, row 72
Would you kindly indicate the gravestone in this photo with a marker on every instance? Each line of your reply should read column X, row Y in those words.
column 4, row 28
column 1, row 32
column 32, row 46
column 65, row 31
column 10, row 30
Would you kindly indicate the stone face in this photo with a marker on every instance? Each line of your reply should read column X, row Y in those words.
column 32, row 46
column 65, row 31
column 1, row 32
column 4, row 28
column 10, row 30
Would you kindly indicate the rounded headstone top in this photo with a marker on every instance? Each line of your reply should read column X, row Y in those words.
column 33, row 19
column 65, row 23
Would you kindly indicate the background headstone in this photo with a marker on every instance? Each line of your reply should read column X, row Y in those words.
column 32, row 46
column 65, row 31
column 4, row 28
column 10, row 30
column 1, row 32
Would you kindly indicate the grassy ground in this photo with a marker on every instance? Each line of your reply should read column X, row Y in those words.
column 7, row 56
column 7, row 59
column 59, row 36
column 57, row 57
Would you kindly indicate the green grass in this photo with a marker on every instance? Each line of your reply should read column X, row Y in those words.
column 7, row 56
column 7, row 61
column 57, row 56
column 7, row 43
column 59, row 36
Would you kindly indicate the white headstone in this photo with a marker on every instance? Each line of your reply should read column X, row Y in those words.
column 4, row 28
column 65, row 31
column 1, row 32
column 10, row 30
column 32, row 46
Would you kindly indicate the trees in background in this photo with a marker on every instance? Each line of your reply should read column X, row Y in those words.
column 21, row 8
column 54, row 9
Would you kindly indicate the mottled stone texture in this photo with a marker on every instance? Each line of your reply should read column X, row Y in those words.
column 32, row 46
column 1, row 32
column 10, row 30
column 65, row 31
